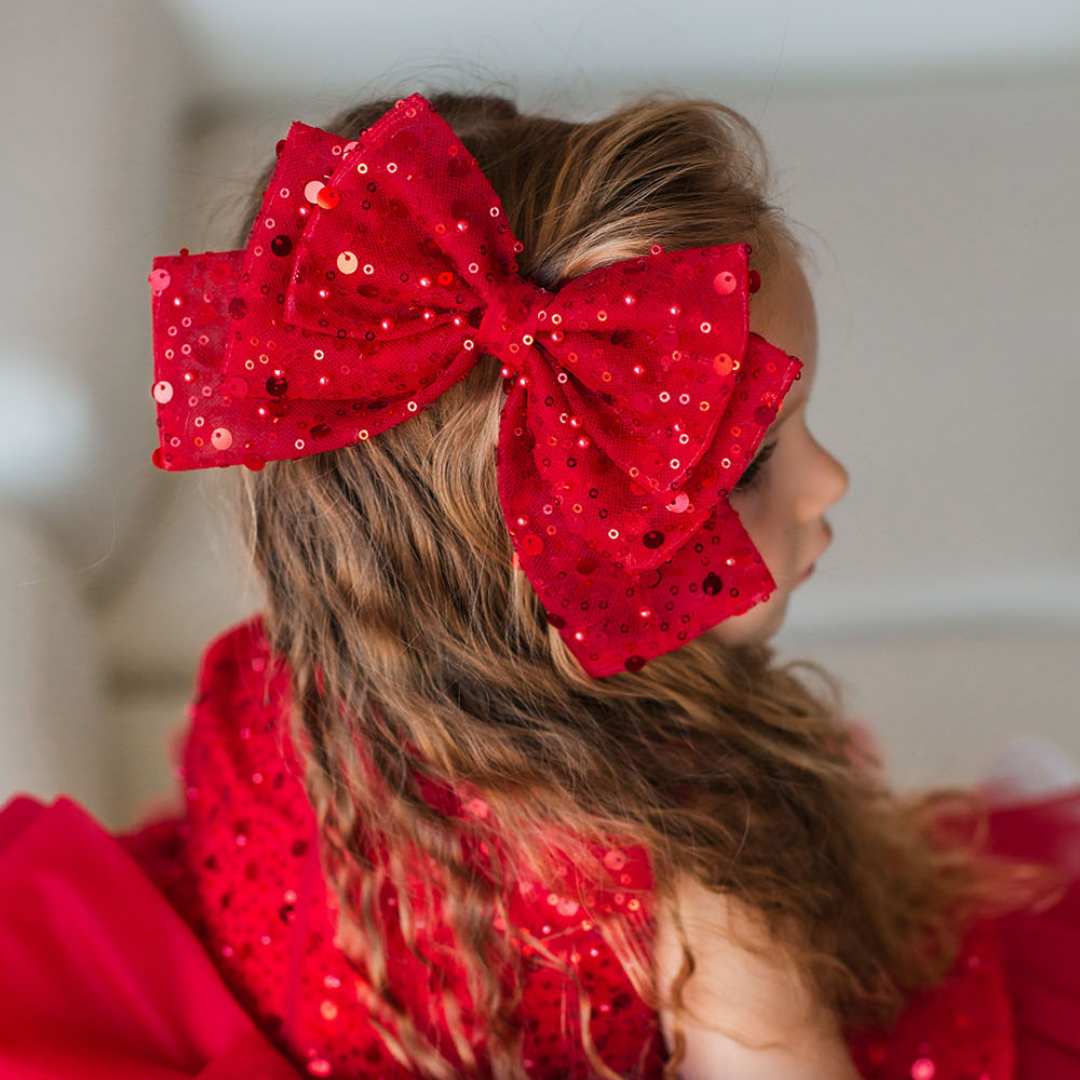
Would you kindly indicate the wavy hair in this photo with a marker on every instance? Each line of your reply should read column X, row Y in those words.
column 417, row 651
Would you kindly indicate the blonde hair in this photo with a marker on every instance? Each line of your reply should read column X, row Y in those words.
column 416, row 650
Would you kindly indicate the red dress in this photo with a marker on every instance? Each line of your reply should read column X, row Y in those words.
column 202, row 944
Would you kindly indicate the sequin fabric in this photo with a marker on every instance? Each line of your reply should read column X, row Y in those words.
column 380, row 269
column 241, row 866
column 243, row 869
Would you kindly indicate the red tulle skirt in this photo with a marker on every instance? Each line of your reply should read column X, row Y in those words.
column 101, row 978
column 1041, row 948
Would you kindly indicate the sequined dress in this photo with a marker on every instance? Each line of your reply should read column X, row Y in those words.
column 201, row 943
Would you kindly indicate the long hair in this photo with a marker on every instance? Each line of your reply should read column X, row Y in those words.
column 419, row 653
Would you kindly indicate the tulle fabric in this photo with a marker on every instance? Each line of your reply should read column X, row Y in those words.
column 1041, row 949
column 1032, row 792
column 100, row 979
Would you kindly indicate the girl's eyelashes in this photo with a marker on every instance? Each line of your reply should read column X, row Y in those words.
column 751, row 474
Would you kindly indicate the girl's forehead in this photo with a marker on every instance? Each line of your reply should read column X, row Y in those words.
column 783, row 313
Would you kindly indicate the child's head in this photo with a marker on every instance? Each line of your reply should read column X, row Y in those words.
column 392, row 594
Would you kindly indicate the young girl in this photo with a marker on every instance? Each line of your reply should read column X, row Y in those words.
column 506, row 780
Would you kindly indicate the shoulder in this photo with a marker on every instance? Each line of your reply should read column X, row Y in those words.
column 732, row 952
column 748, row 1009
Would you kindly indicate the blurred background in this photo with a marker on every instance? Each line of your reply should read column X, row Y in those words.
column 929, row 152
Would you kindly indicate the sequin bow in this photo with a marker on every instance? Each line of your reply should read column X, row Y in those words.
column 380, row 269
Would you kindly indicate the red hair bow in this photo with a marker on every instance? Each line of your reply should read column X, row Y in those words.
column 380, row 269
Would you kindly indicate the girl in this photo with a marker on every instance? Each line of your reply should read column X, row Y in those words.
column 506, row 780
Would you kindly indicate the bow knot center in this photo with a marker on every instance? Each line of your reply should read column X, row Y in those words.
column 510, row 321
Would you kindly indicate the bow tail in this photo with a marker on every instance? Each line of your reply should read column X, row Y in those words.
column 613, row 619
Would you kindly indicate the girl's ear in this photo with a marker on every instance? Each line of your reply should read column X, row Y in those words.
column 747, row 1011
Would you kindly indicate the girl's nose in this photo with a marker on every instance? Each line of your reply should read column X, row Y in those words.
column 828, row 485
column 840, row 479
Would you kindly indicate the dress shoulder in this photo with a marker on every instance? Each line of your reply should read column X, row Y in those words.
column 237, row 743
column 237, row 667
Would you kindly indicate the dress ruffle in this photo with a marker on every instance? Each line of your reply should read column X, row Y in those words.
column 100, row 978
column 1027, row 960
column 1041, row 948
